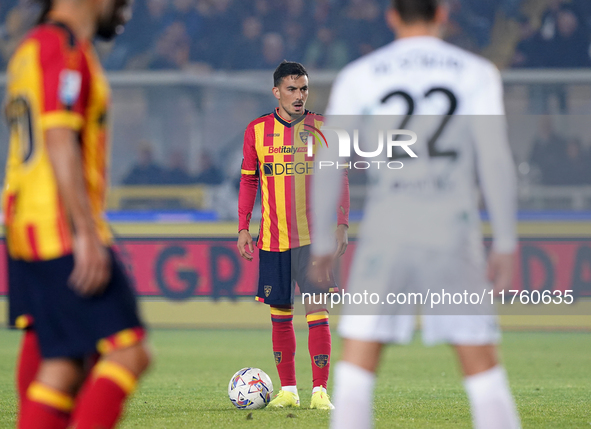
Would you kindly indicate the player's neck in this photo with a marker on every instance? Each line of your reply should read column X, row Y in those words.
column 286, row 116
column 78, row 16
column 418, row 30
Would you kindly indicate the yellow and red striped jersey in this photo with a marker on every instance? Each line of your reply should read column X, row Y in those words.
column 276, row 153
column 54, row 81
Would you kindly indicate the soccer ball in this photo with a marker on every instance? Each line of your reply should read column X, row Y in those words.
column 250, row 388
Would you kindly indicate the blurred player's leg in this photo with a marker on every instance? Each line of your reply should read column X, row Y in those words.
column 113, row 379
column 354, row 384
column 319, row 347
column 284, row 348
column 491, row 402
column 50, row 398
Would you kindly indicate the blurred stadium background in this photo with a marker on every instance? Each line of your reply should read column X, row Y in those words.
column 188, row 76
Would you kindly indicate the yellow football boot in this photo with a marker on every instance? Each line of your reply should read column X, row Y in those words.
column 321, row 401
column 285, row 399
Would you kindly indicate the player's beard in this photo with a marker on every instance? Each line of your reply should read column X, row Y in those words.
column 291, row 110
column 114, row 24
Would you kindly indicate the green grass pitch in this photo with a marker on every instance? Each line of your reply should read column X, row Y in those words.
column 418, row 387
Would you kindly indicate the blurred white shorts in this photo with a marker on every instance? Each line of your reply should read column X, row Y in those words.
column 388, row 270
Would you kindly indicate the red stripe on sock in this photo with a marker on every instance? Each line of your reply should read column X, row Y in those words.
column 100, row 405
column 36, row 415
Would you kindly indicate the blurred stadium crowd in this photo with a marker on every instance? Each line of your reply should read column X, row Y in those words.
column 322, row 34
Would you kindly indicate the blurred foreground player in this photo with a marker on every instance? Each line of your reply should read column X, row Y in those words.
column 421, row 227
column 63, row 275
column 275, row 152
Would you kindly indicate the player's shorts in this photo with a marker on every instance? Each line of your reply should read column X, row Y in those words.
column 280, row 271
column 394, row 272
column 467, row 330
column 19, row 316
column 69, row 325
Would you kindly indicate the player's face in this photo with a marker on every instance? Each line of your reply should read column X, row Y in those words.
column 113, row 17
column 292, row 94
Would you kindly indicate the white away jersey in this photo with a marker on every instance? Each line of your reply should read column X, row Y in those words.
column 453, row 100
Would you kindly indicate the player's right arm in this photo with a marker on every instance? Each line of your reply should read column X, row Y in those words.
column 65, row 89
column 249, row 183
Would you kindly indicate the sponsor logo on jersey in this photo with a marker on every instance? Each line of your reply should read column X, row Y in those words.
column 287, row 150
column 321, row 360
column 288, row 168
column 278, row 356
column 69, row 87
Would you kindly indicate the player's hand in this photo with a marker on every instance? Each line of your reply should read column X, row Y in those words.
column 342, row 240
column 245, row 246
column 320, row 270
column 92, row 265
column 500, row 270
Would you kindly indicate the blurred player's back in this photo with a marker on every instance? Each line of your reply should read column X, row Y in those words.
column 435, row 89
column 421, row 227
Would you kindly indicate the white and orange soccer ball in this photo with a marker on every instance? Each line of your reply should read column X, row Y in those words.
column 250, row 388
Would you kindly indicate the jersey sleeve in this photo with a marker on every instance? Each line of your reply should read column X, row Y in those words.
column 496, row 170
column 65, row 82
column 249, row 180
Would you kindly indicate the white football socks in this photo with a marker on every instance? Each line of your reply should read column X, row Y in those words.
column 491, row 401
column 353, row 397
column 291, row 389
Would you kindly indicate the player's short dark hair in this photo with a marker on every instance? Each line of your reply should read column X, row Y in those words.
column 288, row 68
column 416, row 10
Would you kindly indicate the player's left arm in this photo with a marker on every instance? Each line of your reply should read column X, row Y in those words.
column 496, row 172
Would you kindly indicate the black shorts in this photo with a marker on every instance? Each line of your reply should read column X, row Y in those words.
column 280, row 271
column 69, row 325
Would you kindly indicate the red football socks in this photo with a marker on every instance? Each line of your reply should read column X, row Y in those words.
column 284, row 344
column 319, row 346
column 45, row 408
column 100, row 404
column 28, row 363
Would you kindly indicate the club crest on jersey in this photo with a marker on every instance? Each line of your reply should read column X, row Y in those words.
column 321, row 360
column 267, row 289
column 69, row 87
column 304, row 136
column 278, row 357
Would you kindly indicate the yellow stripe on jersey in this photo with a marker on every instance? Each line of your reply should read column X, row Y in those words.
column 280, row 203
column 259, row 136
column 248, row 172
column 61, row 120
column 300, row 197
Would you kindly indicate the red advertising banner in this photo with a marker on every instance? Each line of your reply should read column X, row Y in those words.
column 179, row 269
